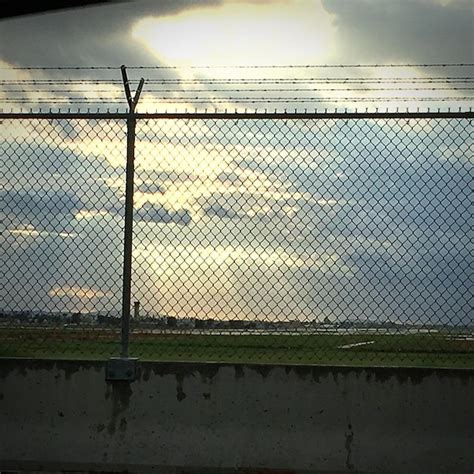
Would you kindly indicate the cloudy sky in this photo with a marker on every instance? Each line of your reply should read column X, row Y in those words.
column 256, row 220
column 213, row 32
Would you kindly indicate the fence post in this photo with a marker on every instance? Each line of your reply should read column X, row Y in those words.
column 128, row 237
column 128, row 227
column 124, row 368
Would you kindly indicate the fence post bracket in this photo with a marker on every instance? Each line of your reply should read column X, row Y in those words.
column 119, row 369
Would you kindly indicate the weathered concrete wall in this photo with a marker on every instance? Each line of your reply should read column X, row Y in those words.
column 180, row 417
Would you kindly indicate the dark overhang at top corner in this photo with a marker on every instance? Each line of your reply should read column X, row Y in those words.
column 15, row 8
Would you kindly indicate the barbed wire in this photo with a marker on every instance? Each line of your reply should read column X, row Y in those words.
column 241, row 90
column 61, row 81
column 60, row 68
column 308, row 99
column 317, row 89
column 242, row 66
column 335, row 80
column 187, row 91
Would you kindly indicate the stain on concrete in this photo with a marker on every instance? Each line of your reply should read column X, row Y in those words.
column 120, row 398
column 206, row 396
column 100, row 427
column 210, row 372
column 262, row 369
column 348, row 445
column 70, row 368
column 60, row 414
column 108, row 391
column 411, row 375
column 183, row 369
column 302, row 371
column 1, row 396
column 238, row 371
column 143, row 374
column 180, row 395
column 123, row 425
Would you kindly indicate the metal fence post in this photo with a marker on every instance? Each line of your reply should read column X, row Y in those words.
column 128, row 227
column 128, row 237
column 124, row 368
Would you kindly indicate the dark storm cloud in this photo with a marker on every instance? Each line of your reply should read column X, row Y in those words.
column 400, row 31
column 244, row 205
column 380, row 176
column 85, row 37
column 20, row 159
column 35, row 175
column 149, row 188
column 377, row 288
column 426, row 285
column 90, row 258
column 44, row 210
column 47, row 203
column 223, row 212
column 160, row 214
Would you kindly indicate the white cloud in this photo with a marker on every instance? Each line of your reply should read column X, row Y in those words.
column 240, row 33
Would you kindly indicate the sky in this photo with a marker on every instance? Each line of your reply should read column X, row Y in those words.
column 213, row 32
column 254, row 220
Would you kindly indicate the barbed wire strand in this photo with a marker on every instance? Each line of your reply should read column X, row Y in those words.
column 243, row 66
column 289, row 81
column 187, row 91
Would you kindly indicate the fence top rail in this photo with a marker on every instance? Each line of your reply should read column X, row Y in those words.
column 236, row 115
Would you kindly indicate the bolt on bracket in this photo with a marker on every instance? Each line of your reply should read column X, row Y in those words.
column 121, row 369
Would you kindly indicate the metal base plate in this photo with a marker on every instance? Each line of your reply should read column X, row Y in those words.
column 118, row 369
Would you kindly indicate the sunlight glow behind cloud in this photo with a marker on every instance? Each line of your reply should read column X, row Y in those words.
column 236, row 33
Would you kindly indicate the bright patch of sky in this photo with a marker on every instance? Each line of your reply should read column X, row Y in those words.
column 233, row 34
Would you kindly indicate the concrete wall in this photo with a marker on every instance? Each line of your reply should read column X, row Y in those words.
column 179, row 417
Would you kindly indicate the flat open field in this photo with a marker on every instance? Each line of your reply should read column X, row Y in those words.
column 432, row 349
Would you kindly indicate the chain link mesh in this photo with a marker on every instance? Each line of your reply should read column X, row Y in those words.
column 61, row 237
column 338, row 241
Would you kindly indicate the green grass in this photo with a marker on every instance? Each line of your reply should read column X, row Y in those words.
column 421, row 350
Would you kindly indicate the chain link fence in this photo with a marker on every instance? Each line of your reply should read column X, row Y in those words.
column 270, row 239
